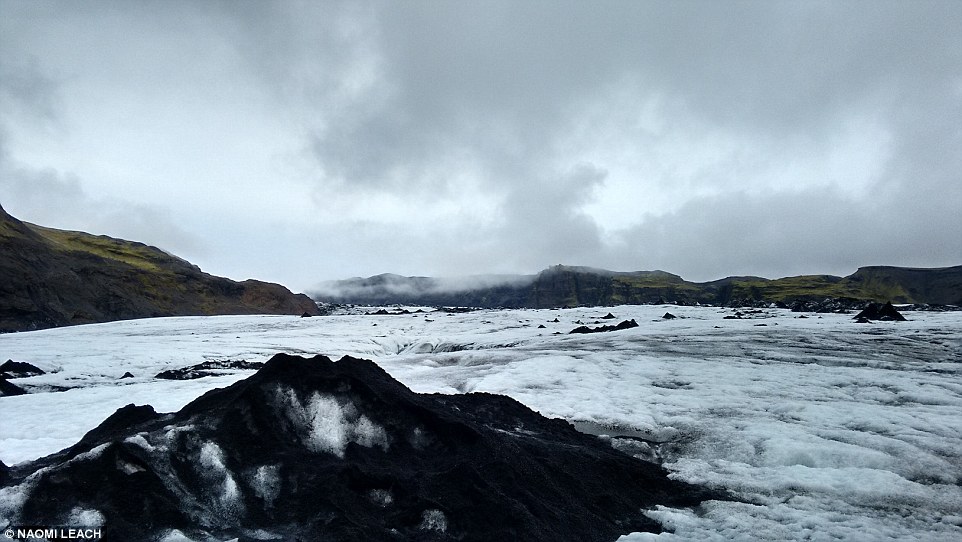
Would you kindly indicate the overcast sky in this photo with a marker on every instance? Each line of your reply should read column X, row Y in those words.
column 297, row 142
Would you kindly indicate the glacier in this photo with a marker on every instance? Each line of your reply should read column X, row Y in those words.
column 823, row 428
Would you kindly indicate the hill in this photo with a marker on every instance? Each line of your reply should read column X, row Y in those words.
column 51, row 278
column 560, row 286
column 313, row 449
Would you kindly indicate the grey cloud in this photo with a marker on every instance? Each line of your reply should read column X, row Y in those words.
column 542, row 218
column 497, row 84
column 812, row 231
column 27, row 91
column 53, row 198
column 29, row 96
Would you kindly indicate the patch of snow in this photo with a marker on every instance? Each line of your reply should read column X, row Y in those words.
column 83, row 518
column 266, row 483
column 211, row 457
column 226, row 500
column 174, row 535
column 140, row 439
column 129, row 468
column 324, row 424
column 172, row 432
column 12, row 499
column 92, row 453
column 381, row 497
column 369, row 434
column 261, row 534
column 433, row 520
column 319, row 422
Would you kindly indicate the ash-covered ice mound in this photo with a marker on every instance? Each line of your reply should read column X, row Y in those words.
column 885, row 313
column 310, row 449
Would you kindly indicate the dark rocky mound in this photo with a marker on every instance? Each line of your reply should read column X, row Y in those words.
column 209, row 368
column 8, row 389
column 399, row 312
column 625, row 324
column 19, row 369
column 669, row 316
column 51, row 277
column 827, row 305
column 885, row 313
column 310, row 449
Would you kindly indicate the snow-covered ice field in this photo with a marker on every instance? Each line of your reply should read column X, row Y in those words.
column 823, row 428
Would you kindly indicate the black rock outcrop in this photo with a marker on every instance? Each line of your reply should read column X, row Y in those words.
column 310, row 449
column 885, row 313
column 209, row 368
column 19, row 369
column 8, row 389
column 624, row 324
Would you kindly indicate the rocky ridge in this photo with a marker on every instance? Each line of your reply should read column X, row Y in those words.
column 51, row 278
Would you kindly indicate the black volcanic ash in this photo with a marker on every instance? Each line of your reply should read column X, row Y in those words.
column 311, row 449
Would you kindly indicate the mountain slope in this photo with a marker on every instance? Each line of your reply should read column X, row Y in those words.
column 560, row 286
column 52, row 277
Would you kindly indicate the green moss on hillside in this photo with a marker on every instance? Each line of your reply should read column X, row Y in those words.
column 136, row 254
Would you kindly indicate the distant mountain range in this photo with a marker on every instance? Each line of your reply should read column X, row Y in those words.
column 561, row 286
column 51, row 277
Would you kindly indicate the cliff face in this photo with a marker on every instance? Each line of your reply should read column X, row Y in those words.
column 52, row 278
column 911, row 285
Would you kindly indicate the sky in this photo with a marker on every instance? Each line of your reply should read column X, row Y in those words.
column 299, row 142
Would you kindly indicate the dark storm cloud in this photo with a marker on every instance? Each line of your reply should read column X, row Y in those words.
column 503, row 79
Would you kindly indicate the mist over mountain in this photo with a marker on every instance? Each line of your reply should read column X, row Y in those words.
column 51, row 278
column 388, row 288
column 571, row 286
